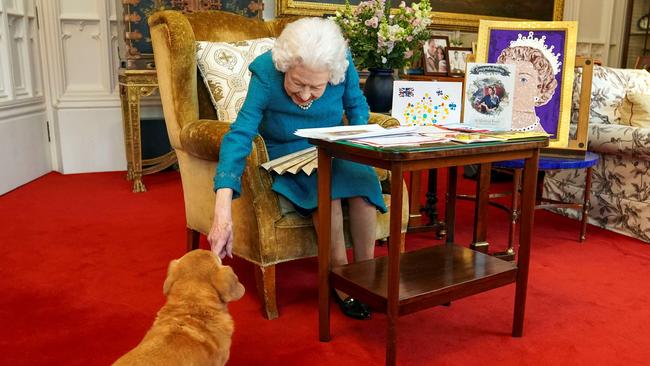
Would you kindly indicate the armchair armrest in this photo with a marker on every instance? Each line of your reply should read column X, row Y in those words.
column 202, row 139
column 620, row 140
column 382, row 120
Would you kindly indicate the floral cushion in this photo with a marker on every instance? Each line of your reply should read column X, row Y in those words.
column 635, row 110
column 224, row 67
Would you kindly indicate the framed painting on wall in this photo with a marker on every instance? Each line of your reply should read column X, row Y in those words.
column 544, row 53
column 135, row 48
column 446, row 14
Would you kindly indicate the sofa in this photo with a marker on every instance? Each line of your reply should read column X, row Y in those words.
column 620, row 187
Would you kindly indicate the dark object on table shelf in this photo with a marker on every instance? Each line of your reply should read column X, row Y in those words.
column 496, row 176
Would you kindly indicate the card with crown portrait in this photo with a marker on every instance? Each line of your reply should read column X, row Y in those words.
column 489, row 90
column 544, row 56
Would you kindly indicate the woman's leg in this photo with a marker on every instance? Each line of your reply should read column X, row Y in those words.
column 338, row 255
column 363, row 227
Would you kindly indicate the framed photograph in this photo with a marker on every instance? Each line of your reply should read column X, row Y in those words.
column 434, row 56
column 642, row 62
column 457, row 57
column 544, row 53
column 447, row 14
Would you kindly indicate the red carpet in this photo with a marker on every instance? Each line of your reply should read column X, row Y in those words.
column 82, row 262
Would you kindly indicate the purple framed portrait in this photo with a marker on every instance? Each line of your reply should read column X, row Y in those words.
column 544, row 56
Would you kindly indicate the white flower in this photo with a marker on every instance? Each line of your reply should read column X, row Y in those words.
column 383, row 60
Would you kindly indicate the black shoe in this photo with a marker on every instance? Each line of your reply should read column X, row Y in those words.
column 352, row 307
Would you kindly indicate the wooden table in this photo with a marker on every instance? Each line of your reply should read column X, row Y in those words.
column 403, row 283
column 135, row 84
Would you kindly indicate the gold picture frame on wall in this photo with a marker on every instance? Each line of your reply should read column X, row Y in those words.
column 446, row 14
column 544, row 53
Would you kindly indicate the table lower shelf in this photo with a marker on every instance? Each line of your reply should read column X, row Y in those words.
column 428, row 277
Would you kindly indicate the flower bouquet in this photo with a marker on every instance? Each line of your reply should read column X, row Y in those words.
column 379, row 38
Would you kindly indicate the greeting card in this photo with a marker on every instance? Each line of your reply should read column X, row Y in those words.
column 426, row 103
column 489, row 91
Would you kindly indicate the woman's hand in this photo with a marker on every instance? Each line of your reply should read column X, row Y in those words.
column 220, row 236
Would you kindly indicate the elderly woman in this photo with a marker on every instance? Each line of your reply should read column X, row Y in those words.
column 307, row 80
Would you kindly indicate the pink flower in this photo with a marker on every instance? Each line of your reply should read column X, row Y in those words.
column 372, row 22
column 409, row 38
column 408, row 54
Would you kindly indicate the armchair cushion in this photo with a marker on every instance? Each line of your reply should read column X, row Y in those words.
column 224, row 67
column 635, row 110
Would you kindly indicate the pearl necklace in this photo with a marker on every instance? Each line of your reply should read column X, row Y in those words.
column 528, row 128
column 305, row 107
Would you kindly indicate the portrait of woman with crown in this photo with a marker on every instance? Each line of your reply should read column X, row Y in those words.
column 535, row 79
column 543, row 54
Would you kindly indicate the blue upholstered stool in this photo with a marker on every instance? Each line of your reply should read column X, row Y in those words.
column 549, row 163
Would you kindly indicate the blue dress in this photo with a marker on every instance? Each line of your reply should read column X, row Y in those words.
column 269, row 111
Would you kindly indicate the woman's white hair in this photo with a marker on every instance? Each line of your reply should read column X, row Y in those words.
column 316, row 43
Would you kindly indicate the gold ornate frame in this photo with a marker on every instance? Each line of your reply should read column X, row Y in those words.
column 568, row 63
column 441, row 20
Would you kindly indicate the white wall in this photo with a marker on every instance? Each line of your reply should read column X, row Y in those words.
column 24, row 149
column 600, row 28
column 81, row 49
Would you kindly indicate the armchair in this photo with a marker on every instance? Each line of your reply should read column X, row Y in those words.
column 263, row 235
column 620, row 199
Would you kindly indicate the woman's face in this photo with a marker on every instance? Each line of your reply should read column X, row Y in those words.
column 526, row 86
column 303, row 84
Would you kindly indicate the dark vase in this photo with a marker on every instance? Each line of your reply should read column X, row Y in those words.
column 379, row 90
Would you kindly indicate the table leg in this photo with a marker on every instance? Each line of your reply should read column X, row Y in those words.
column 392, row 310
column 126, row 124
column 415, row 215
column 514, row 211
column 585, row 206
column 324, row 228
column 450, row 204
column 525, row 237
column 481, row 209
column 133, row 97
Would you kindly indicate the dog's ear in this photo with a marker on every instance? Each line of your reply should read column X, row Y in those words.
column 171, row 276
column 228, row 285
